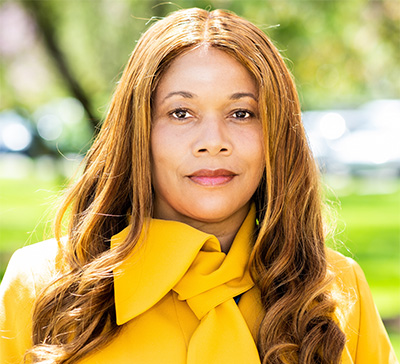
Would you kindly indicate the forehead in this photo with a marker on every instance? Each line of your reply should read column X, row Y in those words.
column 205, row 66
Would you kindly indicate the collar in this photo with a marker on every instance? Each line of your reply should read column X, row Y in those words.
column 163, row 254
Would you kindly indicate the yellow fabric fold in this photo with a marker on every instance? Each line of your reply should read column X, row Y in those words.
column 223, row 337
column 160, row 327
column 213, row 277
column 173, row 256
column 161, row 257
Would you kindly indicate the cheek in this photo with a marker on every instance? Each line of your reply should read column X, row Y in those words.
column 157, row 150
column 257, row 163
column 165, row 154
column 255, row 155
column 158, row 141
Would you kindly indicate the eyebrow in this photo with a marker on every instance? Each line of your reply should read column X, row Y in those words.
column 184, row 94
column 240, row 95
column 189, row 95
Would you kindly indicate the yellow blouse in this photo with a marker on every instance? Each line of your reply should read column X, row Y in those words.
column 174, row 295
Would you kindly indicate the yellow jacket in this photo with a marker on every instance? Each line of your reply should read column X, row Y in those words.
column 175, row 297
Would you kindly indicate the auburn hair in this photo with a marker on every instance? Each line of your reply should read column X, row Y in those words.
column 76, row 314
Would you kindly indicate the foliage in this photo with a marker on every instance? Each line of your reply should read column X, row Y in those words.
column 340, row 52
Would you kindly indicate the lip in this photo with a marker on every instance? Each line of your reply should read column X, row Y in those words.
column 210, row 178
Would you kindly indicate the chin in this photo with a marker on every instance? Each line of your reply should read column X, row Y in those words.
column 214, row 212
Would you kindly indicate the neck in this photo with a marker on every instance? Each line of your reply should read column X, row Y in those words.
column 225, row 233
column 224, row 230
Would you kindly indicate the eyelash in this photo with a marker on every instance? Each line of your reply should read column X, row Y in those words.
column 249, row 113
column 178, row 110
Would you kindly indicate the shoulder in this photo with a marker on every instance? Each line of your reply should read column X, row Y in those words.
column 38, row 253
column 345, row 288
column 30, row 269
column 338, row 260
column 349, row 283
column 32, row 266
column 367, row 339
column 344, row 268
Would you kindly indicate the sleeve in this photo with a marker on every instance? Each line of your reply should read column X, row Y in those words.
column 17, row 294
column 373, row 344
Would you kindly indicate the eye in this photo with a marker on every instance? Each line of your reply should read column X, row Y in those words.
column 242, row 114
column 180, row 114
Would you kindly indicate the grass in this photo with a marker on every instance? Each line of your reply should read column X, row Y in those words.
column 370, row 233
column 368, row 225
column 25, row 213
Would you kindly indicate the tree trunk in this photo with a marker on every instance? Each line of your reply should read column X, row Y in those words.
column 40, row 14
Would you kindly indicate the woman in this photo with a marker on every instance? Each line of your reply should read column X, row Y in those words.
column 195, row 232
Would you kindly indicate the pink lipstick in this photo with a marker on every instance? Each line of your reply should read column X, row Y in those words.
column 207, row 177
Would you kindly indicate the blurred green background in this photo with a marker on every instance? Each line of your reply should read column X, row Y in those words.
column 61, row 60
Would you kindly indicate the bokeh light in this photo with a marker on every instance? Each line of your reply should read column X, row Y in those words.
column 15, row 134
column 332, row 126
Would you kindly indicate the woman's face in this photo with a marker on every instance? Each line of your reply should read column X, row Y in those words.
column 206, row 140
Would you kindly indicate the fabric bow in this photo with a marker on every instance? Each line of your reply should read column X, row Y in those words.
column 190, row 262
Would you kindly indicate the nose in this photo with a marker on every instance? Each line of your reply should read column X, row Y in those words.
column 212, row 138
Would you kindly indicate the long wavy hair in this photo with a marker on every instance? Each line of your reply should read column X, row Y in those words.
column 76, row 314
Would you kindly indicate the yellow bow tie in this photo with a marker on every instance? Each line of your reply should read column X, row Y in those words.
column 177, row 257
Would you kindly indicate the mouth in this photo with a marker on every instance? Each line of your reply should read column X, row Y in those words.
column 208, row 177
